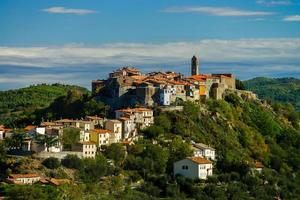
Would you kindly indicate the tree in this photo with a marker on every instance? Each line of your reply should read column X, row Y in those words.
column 239, row 85
column 155, row 159
column 93, row 169
column 153, row 131
column 163, row 121
column 70, row 137
column 31, row 192
column 16, row 140
column 72, row 162
column 116, row 152
column 46, row 140
column 51, row 163
column 178, row 150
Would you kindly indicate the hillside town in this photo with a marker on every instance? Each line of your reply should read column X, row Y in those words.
column 127, row 86
column 133, row 96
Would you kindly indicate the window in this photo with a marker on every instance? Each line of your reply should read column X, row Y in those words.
column 185, row 167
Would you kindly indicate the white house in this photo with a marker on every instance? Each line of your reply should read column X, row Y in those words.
column 203, row 150
column 259, row 166
column 87, row 148
column 143, row 117
column 193, row 167
column 23, row 178
column 165, row 96
column 128, row 127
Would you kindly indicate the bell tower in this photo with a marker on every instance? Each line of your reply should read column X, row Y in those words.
column 194, row 66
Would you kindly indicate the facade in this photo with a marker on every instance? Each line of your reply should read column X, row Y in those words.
column 82, row 124
column 23, row 178
column 87, row 148
column 202, row 150
column 194, row 168
column 97, row 121
column 100, row 137
column 142, row 117
column 115, row 126
column 128, row 127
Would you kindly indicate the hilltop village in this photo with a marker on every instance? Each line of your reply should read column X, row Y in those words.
column 127, row 86
column 132, row 95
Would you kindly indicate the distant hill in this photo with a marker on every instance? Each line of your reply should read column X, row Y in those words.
column 15, row 103
column 285, row 90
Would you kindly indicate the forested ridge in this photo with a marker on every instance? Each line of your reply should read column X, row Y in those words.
column 241, row 131
column 285, row 90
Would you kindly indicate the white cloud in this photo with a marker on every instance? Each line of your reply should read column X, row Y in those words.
column 274, row 2
column 217, row 11
column 243, row 50
column 63, row 10
column 294, row 18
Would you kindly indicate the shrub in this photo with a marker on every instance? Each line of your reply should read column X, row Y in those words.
column 51, row 163
column 72, row 162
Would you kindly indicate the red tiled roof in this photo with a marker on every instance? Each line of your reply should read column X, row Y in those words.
column 199, row 160
column 15, row 176
column 134, row 110
column 94, row 117
column 29, row 127
column 259, row 165
column 87, row 143
column 101, row 131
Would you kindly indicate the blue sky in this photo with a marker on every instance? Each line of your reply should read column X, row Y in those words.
column 74, row 41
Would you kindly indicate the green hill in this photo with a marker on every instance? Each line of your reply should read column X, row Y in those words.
column 285, row 90
column 241, row 131
column 22, row 102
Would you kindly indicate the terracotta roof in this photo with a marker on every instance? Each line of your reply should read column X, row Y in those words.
column 94, row 117
column 134, row 110
column 259, row 165
column 87, row 143
column 113, row 120
column 101, row 131
column 49, row 124
column 202, row 146
column 29, row 127
column 15, row 176
column 71, row 120
column 124, row 118
column 199, row 160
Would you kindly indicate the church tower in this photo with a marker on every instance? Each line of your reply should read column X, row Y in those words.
column 194, row 66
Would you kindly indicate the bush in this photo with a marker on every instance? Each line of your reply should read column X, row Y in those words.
column 72, row 162
column 153, row 131
column 51, row 163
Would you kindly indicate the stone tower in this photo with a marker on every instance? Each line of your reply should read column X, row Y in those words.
column 194, row 66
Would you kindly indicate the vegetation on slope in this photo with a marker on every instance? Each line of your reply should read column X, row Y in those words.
column 20, row 103
column 285, row 90
column 241, row 131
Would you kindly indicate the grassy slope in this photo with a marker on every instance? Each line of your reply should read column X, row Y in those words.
column 286, row 90
column 26, row 100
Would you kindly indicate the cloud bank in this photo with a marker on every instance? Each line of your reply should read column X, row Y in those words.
column 213, row 50
column 63, row 10
column 79, row 64
column 217, row 11
column 292, row 18
column 274, row 2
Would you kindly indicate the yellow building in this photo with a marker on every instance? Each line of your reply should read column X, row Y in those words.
column 100, row 136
